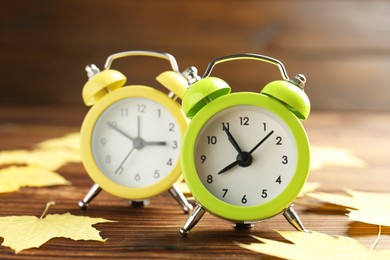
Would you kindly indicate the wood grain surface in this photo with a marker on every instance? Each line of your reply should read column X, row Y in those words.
column 152, row 232
column 342, row 47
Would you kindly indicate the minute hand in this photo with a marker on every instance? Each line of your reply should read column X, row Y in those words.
column 262, row 141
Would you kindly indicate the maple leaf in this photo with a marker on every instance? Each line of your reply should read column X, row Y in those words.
column 24, row 232
column 322, row 156
column 13, row 178
column 70, row 141
column 315, row 245
column 45, row 158
column 367, row 207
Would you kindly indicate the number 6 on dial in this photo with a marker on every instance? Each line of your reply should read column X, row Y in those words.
column 245, row 156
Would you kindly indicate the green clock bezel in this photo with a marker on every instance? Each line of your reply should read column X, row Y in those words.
column 244, row 213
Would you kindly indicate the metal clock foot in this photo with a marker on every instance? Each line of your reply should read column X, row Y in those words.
column 192, row 220
column 92, row 193
column 180, row 198
column 293, row 218
column 139, row 203
column 244, row 226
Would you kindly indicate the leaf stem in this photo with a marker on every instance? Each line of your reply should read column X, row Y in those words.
column 378, row 237
column 50, row 203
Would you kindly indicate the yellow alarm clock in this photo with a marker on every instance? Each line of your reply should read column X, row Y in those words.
column 131, row 137
column 245, row 156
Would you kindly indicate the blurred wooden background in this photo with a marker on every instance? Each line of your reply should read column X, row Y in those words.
column 342, row 47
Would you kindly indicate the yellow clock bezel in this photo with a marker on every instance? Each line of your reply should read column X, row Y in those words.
column 244, row 213
column 133, row 91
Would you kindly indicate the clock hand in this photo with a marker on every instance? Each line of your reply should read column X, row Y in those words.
column 244, row 159
column 262, row 141
column 113, row 126
column 155, row 143
column 124, row 160
column 139, row 126
column 231, row 139
column 228, row 167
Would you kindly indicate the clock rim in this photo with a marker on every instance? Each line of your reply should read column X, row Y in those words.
column 245, row 213
column 88, row 125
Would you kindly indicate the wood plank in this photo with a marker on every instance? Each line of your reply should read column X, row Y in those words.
column 153, row 231
column 46, row 45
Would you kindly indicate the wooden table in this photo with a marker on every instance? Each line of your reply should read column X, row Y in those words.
column 153, row 231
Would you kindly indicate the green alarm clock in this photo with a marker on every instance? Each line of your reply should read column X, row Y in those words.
column 245, row 156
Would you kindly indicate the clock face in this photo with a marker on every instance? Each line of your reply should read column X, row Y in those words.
column 135, row 142
column 245, row 155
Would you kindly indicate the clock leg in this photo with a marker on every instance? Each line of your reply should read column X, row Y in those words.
column 92, row 193
column 180, row 198
column 192, row 220
column 293, row 218
column 139, row 203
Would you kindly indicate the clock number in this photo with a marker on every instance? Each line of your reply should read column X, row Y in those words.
column 279, row 179
column 224, row 192
column 225, row 126
column 137, row 177
column 244, row 200
column 244, row 120
column 203, row 158
column 211, row 139
column 284, row 159
column 159, row 113
column 112, row 124
column 156, row 174
column 171, row 127
column 279, row 140
column 265, row 126
column 210, row 179
column 169, row 162
column 264, row 193
column 124, row 112
column 108, row 159
column 141, row 108
column 175, row 144
column 103, row 141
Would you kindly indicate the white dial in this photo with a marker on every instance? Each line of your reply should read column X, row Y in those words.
column 245, row 155
column 135, row 142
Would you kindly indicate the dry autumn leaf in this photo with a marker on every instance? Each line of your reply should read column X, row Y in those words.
column 70, row 141
column 367, row 207
column 24, row 232
column 47, row 158
column 315, row 245
column 14, row 177
column 322, row 156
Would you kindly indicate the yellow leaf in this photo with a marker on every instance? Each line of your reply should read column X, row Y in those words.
column 49, row 159
column 322, row 156
column 13, row 178
column 70, row 141
column 315, row 245
column 308, row 187
column 367, row 207
column 24, row 232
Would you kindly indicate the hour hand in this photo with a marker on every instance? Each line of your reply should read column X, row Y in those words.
column 228, row 167
column 158, row 143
